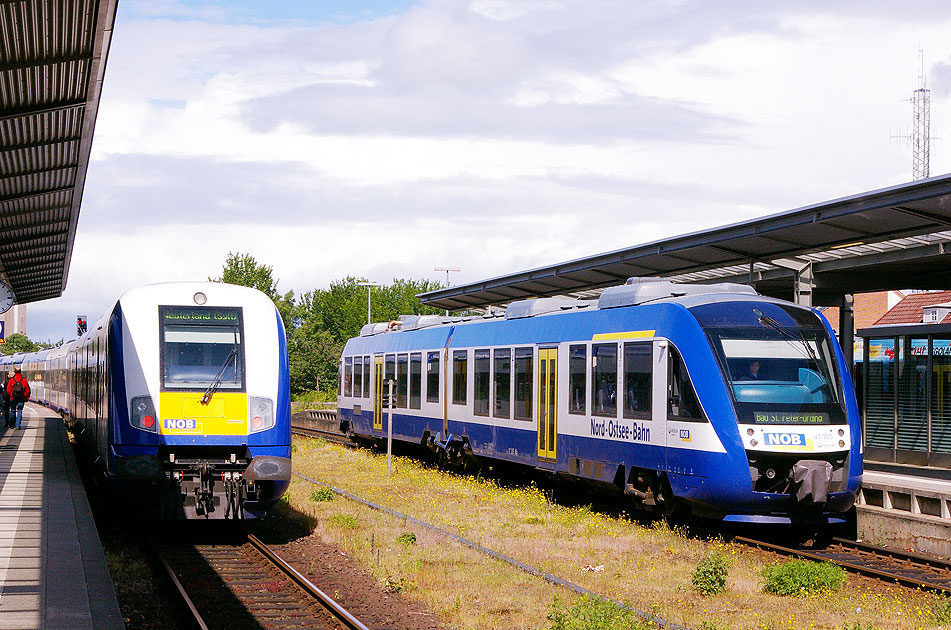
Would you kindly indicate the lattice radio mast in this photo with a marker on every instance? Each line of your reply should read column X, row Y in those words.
column 921, row 130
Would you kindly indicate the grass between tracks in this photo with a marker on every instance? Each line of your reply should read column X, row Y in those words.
column 648, row 567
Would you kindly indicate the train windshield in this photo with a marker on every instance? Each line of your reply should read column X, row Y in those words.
column 201, row 348
column 777, row 360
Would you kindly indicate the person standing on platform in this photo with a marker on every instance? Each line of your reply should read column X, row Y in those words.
column 5, row 401
column 18, row 389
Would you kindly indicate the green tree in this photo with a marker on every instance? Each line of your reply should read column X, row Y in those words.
column 245, row 270
column 18, row 342
column 326, row 318
column 313, row 361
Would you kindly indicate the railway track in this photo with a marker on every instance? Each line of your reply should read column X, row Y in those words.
column 330, row 436
column 885, row 564
column 881, row 563
column 238, row 583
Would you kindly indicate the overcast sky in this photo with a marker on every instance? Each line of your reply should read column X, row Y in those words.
column 383, row 138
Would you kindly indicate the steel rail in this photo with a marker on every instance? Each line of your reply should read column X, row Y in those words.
column 325, row 600
column 897, row 554
column 178, row 585
column 331, row 436
column 852, row 567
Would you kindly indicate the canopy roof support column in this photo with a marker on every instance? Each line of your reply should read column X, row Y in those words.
column 846, row 330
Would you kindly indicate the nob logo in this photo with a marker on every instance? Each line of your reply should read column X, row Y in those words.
column 180, row 425
column 785, row 439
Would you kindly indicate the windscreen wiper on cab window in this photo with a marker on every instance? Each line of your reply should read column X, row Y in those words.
column 216, row 382
column 798, row 337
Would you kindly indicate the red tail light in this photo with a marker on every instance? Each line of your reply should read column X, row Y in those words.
column 148, row 422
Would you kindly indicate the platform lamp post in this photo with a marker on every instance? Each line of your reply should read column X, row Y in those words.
column 447, row 270
column 369, row 286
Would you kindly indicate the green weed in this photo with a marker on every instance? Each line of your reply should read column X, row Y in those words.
column 941, row 609
column 593, row 613
column 800, row 578
column 407, row 539
column 323, row 493
column 709, row 578
column 344, row 521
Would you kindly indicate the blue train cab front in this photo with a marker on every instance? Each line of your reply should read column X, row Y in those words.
column 794, row 406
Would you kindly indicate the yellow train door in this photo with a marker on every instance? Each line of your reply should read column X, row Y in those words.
column 547, row 402
column 378, row 392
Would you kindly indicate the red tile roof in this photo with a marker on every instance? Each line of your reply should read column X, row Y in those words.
column 909, row 310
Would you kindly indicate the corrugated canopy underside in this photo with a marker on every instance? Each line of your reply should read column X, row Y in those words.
column 52, row 58
column 866, row 242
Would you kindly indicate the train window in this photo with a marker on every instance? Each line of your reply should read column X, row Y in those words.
column 637, row 380
column 524, row 360
column 682, row 400
column 340, row 376
column 402, row 374
column 389, row 371
column 201, row 349
column 415, row 379
column 604, row 379
column 366, row 376
column 577, row 380
column 348, row 376
column 432, row 377
column 503, row 383
column 357, row 377
column 459, row 383
column 480, row 403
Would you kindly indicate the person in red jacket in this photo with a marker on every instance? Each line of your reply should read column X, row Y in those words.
column 18, row 390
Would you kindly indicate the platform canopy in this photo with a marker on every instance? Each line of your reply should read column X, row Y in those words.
column 893, row 238
column 52, row 59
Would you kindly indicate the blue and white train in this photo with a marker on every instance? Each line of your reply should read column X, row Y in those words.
column 707, row 397
column 180, row 394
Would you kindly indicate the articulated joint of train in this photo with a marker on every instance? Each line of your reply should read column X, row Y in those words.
column 220, row 483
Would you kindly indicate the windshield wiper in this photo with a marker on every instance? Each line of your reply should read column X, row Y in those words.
column 802, row 344
column 216, row 382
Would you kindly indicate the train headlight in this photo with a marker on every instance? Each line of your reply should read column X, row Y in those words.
column 200, row 298
column 261, row 414
column 143, row 414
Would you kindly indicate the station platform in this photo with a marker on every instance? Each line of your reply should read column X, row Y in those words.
column 53, row 572
column 910, row 509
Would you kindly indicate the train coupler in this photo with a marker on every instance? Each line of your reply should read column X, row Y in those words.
column 205, row 490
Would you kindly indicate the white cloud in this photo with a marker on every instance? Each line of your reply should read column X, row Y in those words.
column 490, row 135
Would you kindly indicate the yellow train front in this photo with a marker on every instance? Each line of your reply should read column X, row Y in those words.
column 181, row 394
